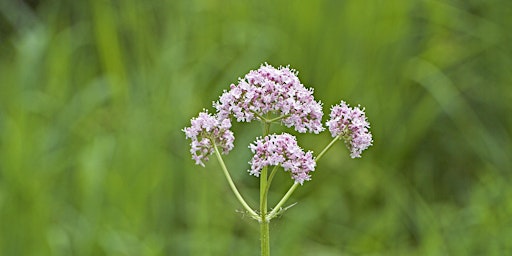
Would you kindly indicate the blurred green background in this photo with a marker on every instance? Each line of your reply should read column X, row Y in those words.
column 94, row 94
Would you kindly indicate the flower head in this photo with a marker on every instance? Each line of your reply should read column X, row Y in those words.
column 276, row 91
column 274, row 150
column 353, row 127
column 205, row 130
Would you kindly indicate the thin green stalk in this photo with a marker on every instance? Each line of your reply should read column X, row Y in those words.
column 279, row 205
column 251, row 212
column 270, row 178
column 264, row 223
column 327, row 148
column 277, row 118
column 277, row 209
column 263, row 119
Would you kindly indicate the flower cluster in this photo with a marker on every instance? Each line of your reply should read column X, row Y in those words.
column 204, row 130
column 276, row 91
column 353, row 127
column 274, row 150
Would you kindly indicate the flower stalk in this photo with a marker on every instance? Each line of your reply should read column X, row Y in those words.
column 278, row 208
column 249, row 210
column 264, row 223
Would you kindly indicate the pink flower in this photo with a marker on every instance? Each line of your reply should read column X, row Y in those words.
column 274, row 150
column 275, row 91
column 353, row 127
column 205, row 130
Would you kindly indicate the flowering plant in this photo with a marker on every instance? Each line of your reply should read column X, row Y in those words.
column 271, row 95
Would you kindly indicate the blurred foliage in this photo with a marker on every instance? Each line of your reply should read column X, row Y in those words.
column 93, row 95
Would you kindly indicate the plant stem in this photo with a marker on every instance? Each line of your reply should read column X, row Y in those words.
column 277, row 118
column 279, row 205
column 327, row 148
column 264, row 223
column 270, row 178
column 251, row 212
column 283, row 200
column 267, row 120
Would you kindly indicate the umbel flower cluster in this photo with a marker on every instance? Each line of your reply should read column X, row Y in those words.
column 282, row 150
column 352, row 126
column 207, row 131
column 274, row 95
column 270, row 90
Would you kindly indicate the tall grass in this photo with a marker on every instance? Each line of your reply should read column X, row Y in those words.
column 93, row 95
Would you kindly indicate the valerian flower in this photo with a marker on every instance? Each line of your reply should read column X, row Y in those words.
column 352, row 125
column 275, row 150
column 275, row 91
column 205, row 130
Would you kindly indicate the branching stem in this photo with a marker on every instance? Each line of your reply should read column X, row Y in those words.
column 277, row 209
column 251, row 212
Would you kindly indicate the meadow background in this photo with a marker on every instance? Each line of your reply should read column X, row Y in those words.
column 94, row 94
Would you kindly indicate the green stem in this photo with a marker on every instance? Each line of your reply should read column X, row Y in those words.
column 279, row 205
column 251, row 212
column 327, row 148
column 267, row 120
column 270, row 178
column 264, row 223
column 277, row 118
column 283, row 200
column 263, row 119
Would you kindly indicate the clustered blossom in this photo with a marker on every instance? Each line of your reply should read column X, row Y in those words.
column 274, row 150
column 353, row 127
column 204, row 130
column 275, row 91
